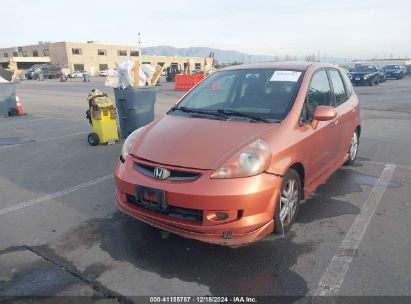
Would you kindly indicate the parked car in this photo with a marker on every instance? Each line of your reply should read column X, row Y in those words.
column 230, row 163
column 103, row 73
column 382, row 74
column 394, row 71
column 77, row 74
column 47, row 70
column 405, row 70
column 364, row 74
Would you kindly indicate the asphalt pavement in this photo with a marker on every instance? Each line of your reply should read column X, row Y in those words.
column 60, row 233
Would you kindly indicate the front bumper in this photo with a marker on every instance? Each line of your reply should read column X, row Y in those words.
column 249, row 204
column 393, row 75
column 361, row 80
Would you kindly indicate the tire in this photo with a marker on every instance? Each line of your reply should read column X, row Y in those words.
column 378, row 81
column 353, row 150
column 371, row 83
column 290, row 178
column 13, row 112
column 93, row 139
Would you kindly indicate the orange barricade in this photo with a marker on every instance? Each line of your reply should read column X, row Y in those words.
column 187, row 82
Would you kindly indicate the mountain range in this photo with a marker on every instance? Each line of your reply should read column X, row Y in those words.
column 222, row 56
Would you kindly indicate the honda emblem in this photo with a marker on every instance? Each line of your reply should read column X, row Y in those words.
column 161, row 173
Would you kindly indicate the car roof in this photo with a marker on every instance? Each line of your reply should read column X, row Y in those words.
column 289, row 65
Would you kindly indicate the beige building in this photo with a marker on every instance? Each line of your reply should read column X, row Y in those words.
column 91, row 57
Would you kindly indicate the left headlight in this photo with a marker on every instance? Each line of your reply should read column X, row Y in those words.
column 252, row 160
column 128, row 143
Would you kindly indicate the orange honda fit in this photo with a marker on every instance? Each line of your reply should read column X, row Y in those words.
column 231, row 161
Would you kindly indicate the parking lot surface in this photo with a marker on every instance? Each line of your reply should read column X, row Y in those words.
column 60, row 233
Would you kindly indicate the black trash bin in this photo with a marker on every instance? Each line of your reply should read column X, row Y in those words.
column 7, row 98
column 135, row 107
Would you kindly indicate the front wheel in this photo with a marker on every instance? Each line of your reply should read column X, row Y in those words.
column 352, row 152
column 93, row 139
column 288, row 203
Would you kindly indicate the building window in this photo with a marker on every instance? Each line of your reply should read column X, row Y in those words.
column 103, row 67
column 121, row 53
column 35, row 53
column 76, row 51
column 15, row 54
column 102, row 52
column 6, row 54
column 46, row 52
column 78, row 67
column 134, row 53
column 25, row 53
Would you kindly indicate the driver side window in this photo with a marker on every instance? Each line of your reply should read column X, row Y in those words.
column 319, row 94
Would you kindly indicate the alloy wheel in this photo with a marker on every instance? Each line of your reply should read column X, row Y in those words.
column 354, row 146
column 288, row 202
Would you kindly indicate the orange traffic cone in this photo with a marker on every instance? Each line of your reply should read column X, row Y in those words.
column 19, row 107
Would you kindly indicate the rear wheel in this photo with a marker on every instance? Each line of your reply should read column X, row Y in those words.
column 93, row 139
column 288, row 204
column 352, row 152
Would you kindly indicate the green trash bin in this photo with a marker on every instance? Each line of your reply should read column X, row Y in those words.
column 7, row 98
column 135, row 107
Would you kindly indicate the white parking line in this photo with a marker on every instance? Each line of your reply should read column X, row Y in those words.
column 23, row 121
column 43, row 140
column 383, row 164
column 333, row 277
column 55, row 194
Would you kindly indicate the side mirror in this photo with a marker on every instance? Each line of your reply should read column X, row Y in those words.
column 323, row 113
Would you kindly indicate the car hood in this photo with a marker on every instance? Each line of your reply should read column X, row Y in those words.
column 360, row 73
column 195, row 142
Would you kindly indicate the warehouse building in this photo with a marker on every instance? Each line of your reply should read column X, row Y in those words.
column 92, row 57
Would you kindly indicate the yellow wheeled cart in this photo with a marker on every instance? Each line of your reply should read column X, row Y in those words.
column 102, row 116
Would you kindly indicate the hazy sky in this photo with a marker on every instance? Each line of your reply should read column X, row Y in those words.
column 343, row 28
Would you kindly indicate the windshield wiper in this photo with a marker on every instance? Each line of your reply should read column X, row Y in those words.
column 196, row 111
column 242, row 114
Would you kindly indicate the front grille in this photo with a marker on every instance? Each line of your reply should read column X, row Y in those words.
column 174, row 174
column 186, row 214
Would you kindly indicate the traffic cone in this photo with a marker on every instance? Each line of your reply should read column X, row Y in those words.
column 19, row 107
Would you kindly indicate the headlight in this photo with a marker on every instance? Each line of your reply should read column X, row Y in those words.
column 128, row 143
column 253, row 160
column 366, row 76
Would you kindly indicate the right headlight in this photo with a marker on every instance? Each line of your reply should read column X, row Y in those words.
column 128, row 143
column 252, row 160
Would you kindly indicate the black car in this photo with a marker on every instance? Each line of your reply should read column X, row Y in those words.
column 47, row 70
column 364, row 74
column 394, row 71
column 383, row 74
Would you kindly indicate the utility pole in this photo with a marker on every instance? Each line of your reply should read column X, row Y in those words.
column 139, row 42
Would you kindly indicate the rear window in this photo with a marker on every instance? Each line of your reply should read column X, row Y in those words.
column 392, row 66
column 267, row 93
column 348, row 85
column 338, row 85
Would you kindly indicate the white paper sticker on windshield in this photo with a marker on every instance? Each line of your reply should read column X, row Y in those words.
column 285, row 76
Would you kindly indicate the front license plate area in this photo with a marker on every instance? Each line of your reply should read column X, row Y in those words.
column 151, row 198
column 357, row 78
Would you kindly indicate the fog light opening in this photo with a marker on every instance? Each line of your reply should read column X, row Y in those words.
column 221, row 215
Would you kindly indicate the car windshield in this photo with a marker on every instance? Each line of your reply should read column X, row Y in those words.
column 259, row 94
column 391, row 66
column 363, row 68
